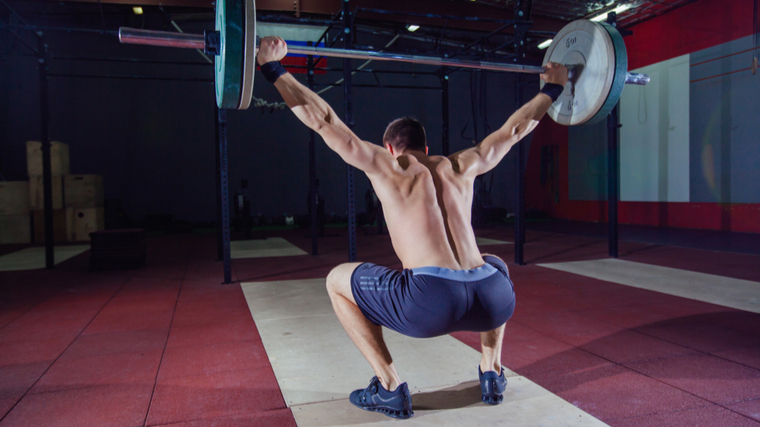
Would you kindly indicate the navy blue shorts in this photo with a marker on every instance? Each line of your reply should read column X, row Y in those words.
column 431, row 301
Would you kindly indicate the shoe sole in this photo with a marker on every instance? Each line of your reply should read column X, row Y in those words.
column 492, row 399
column 389, row 412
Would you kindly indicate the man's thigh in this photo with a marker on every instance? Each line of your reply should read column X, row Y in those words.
column 339, row 280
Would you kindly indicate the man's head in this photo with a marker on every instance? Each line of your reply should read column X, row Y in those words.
column 406, row 133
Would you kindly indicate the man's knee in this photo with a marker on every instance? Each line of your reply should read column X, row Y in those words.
column 339, row 279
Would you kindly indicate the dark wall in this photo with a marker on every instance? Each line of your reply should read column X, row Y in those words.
column 153, row 141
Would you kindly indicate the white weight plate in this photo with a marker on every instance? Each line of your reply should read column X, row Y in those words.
column 587, row 48
column 249, row 53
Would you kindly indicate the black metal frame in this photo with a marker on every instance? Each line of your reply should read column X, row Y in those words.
column 613, row 179
column 41, row 52
column 313, row 196
column 348, row 35
column 522, row 14
column 222, row 179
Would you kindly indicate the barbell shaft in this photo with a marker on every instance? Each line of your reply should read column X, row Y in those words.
column 197, row 41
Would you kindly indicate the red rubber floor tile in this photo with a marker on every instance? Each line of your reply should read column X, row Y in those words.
column 610, row 392
column 117, row 320
column 207, row 270
column 630, row 346
column 104, row 406
column 35, row 326
column 195, row 291
column 100, row 370
column 749, row 408
column 741, row 321
column 209, row 312
column 20, row 352
column 212, row 359
column 117, row 342
column 15, row 380
column 217, row 395
column 217, row 333
column 569, row 327
column 714, row 379
column 273, row 418
column 690, row 332
column 745, row 356
column 711, row 415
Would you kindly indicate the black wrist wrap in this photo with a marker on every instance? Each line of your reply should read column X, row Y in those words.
column 552, row 89
column 272, row 71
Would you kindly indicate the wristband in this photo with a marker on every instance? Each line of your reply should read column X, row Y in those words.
column 553, row 90
column 272, row 71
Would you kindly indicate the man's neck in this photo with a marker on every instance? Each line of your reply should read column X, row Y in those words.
column 419, row 155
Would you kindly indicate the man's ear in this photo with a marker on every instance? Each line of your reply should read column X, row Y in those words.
column 390, row 148
column 426, row 150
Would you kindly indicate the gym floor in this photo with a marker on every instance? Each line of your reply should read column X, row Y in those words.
column 167, row 344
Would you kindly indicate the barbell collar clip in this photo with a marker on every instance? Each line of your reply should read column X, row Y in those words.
column 212, row 43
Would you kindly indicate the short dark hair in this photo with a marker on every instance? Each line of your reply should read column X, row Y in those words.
column 405, row 133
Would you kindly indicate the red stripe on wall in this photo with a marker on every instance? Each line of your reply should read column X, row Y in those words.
column 706, row 216
column 690, row 28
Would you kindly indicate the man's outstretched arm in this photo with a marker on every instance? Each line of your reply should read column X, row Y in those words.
column 486, row 155
column 317, row 114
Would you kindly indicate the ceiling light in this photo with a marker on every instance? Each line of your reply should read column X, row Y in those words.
column 617, row 10
column 545, row 44
column 137, row 10
column 412, row 28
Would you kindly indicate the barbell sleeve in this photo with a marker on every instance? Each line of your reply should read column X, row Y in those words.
column 161, row 38
column 197, row 41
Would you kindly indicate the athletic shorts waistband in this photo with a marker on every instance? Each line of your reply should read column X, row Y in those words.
column 480, row 273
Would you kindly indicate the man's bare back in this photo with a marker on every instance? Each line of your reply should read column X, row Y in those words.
column 427, row 207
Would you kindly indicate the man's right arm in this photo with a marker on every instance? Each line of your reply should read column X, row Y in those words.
column 486, row 155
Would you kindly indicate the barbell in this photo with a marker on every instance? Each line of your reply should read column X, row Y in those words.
column 594, row 53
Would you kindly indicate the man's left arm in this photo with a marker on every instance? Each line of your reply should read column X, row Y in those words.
column 317, row 114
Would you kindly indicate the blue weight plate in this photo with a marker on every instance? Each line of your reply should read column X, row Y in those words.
column 229, row 63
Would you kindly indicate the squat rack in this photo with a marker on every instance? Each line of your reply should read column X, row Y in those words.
column 521, row 24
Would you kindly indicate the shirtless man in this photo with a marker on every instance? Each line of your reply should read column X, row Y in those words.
column 447, row 285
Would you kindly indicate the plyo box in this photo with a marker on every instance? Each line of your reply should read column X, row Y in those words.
column 14, row 198
column 15, row 228
column 83, row 191
column 59, row 158
column 80, row 222
column 59, row 225
column 37, row 192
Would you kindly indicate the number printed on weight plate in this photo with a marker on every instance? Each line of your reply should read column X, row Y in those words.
column 569, row 42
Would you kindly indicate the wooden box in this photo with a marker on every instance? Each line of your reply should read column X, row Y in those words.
column 37, row 192
column 81, row 222
column 14, row 198
column 59, row 226
column 15, row 228
column 59, row 158
column 83, row 191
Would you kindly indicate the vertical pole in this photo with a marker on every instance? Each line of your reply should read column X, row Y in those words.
column 47, row 170
column 613, row 134
column 219, row 226
column 445, row 111
column 224, row 191
column 349, row 119
column 313, row 201
column 520, row 29
column 612, row 181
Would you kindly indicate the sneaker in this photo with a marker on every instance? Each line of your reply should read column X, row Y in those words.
column 492, row 386
column 395, row 404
